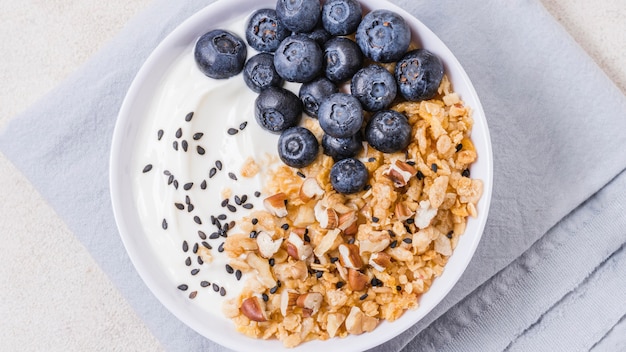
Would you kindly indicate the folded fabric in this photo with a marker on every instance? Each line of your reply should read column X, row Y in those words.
column 555, row 122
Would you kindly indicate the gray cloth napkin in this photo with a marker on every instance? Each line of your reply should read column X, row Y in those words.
column 556, row 121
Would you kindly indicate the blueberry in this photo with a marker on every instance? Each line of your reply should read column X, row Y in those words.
column 313, row 93
column 341, row 17
column 319, row 34
column 297, row 147
column 298, row 59
column 299, row 15
column 220, row 54
column 388, row 131
column 342, row 148
column 264, row 31
column 383, row 36
column 340, row 115
column 277, row 109
column 342, row 58
column 348, row 176
column 259, row 72
column 419, row 74
column 375, row 87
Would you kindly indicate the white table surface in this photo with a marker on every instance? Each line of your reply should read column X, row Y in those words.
column 53, row 296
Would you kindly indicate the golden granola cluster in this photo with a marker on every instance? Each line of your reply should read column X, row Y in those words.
column 325, row 264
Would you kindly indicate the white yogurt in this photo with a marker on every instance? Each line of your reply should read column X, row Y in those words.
column 217, row 106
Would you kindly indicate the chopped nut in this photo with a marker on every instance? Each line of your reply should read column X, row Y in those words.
column 254, row 309
column 357, row 280
column 311, row 301
column 310, row 189
column 349, row 256
column 327, row 242
column 400, row 173
column 380, row 261
column 327, row 217
column 276, row 204
column 261, row 265
column 403, row 212
column 267, row 245
column 288, row 299
column 357, row 322
column 297, row 248
column 348, row 222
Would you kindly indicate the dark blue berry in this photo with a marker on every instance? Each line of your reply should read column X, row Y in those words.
column 375, row 87
column 383, row 36
column 342, row 58
column 264, row 31
column 388, row 131
column 342, row 148
column 277, row 109
column 340, row 115
column 298, row 59
column 259, row 72
column 220, row 54
column 341, row 17
column 299, row 15
column 319, row 34
column 419, row 74
column 297, row 147
column 348, row 176
column 313, row 93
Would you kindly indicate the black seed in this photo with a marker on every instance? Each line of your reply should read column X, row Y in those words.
column 394, row 244
column 238, row 274
column 391, row 233
column 193, row 294
column 285, row 227
column 278, row 283
column 185, row 246
column 340, row 284
column 185, row 145
column 160, row 134
column 253, row 234
column 367, row 187
column 200, row 150
column 190, row 208
column 183, row 287
column 222, row 292
column 243, row 125
column 197, row 220
column 376, row 282
column 306, row 236
column 371, row 160
column 398, row 288
column 434, row 167
column 222, row 217
column 224, row 202
column 333, row 259
column 351, row 240
column 218, row 224
column 170, row 180
column 189, row 116
column 363, row 297
column 204, row 283
column 188, row 261
column 465, row 173
column 197, row 136
column 167, row 173
column 202, row 235
column 176, row 184
column 232, row 176
column 459, row 147
column 410, row 162
column 419, row 175
column 175, row 145
column 179, row 206
column 244, row 198
column 299, row 173
column 164, row 224
column 316, row 260
column 375, row 219
column 187, row 200
column 200, row 261
column 248, row 206
column 179, row 133
column 187, row 186
column 237, row 200
column 257, row 194
column 218, row 165
column 410, row 221
column 213, row 220
column 407, row 240
column 229, row 269
column 265, row 297
column 449, row 234
column 232, row 131
column 147, row 168
column 206, row 245
column 216, row 287
column 319, row 274
column 203, row 184
column 195, row 248
column 212, row 172
column 195, row 271
column 254, row 221
column 274, row 289
column 231, row 208
column 221, row 247
column 214, row 235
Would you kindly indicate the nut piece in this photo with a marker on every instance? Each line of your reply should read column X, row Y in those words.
column 267, row 245
column 357, row 322
column 357, row 280
column 334, row 322
column 380, row 261
column 262, row 266
column 348, row 223
column 403, row 212
column 349, row 256
column 310, row 189
column 276, row 204
column 327, row 242
column 400, row 173
column 288, row 299
column 254, row 309
column 297, row 248
column 327, row 217
column 311, row 301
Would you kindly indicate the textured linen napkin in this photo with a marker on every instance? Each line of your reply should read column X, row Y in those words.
column 556, row 123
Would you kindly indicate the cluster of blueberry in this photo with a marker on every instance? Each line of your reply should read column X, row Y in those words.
column 302, row 41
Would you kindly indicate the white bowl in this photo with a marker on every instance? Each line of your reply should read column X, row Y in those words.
column 122, row 169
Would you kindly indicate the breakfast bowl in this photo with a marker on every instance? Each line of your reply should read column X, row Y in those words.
column 189, row 161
